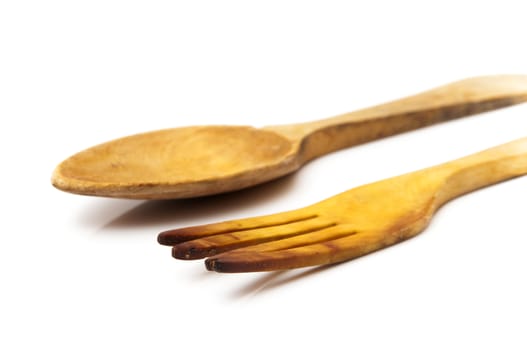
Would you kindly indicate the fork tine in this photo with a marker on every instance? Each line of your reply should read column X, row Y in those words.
column 308, row 238
column 219, row 243
column 172, row 237
column 328, row 252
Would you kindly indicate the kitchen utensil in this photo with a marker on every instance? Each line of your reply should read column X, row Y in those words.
column 204, row 160
column 348, row 225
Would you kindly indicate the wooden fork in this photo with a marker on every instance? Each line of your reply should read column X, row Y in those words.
column 348, row 225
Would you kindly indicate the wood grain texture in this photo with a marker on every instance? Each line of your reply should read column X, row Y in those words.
column 348, row 225
column 197, row 161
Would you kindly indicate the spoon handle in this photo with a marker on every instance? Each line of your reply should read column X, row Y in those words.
column 455, row 100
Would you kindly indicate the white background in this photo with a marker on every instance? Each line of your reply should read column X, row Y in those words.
column 87, row 273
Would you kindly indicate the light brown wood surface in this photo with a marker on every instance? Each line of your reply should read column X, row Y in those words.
column 349, row 225
column 204, row 160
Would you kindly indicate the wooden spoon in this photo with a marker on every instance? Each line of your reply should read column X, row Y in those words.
column 204, row 160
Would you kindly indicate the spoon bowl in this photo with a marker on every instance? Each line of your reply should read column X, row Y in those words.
column 178, row 163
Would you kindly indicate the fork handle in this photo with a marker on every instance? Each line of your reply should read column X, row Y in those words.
column 455, row 100
column 481, row 169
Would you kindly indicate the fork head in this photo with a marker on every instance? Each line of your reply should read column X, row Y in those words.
column 340, row 228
